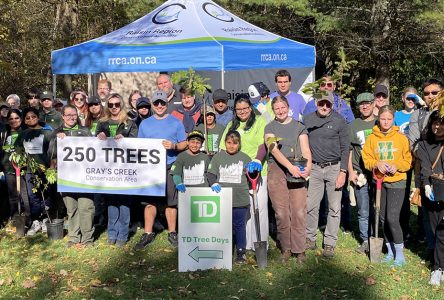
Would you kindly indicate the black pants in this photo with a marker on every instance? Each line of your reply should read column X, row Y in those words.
column 391, row 203
column 436, row 215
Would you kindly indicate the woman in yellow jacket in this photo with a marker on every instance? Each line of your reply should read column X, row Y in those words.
column 387, row 152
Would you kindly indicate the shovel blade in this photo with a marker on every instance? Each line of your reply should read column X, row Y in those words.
column 376, row 249
column 19, row 224
column 260, row 249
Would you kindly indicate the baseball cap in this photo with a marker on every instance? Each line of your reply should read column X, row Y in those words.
column 3, row 104
column 93, row 100
column 159, row 95
column 258, row 90
column 196, row 134
column 220, row 94
column 143, row 101
column 209, row 110
column 325, row 96
column 46, row 95
column 380, row 89
column 365, row 97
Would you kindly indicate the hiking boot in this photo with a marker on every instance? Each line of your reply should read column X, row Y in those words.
column 44, row 227
column 70, row 244
column 145, row 240
column 35, row 227
column 363, row 248
column 310, row 245
column 436, row 277
column 285, row 256
column 241, row 257
column 329, row 251
column 172, row 238
column 301, row 258
column 111, row 241
column 120, row 243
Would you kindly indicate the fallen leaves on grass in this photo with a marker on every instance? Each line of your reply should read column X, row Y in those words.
column 28, row 284
column 63, row 272
column 404, row 297
column 370, row 281
column 95, row 283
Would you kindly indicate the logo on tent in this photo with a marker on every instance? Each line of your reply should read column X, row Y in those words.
column 216, row 12
column 168, row 14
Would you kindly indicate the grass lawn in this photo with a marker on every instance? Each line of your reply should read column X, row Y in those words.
column 37, row 268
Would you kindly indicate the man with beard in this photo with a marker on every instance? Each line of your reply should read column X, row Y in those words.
column 165, row 84
column 103, row 89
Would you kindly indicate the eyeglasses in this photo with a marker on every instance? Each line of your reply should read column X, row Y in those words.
column 159, row 102
column 93, row 104
column 434, row 93
column 71, row 116
column 31, row 117
column 324, row 103
column 327, row 84
column 11, row 119
column 242, row 109
column 79, row 99
column 113, row 105
column 365, row 103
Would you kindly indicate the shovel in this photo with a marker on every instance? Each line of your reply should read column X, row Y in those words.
column 260, row 247
column 19, row 220
column 375, row 242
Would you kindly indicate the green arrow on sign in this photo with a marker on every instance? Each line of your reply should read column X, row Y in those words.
column 197, row 254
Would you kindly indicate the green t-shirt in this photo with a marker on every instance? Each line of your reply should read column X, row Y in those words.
column 230, row 172
column 192, row 168
column 359, row 130
column 250, row 139
column 113, row 125
column 214, row 136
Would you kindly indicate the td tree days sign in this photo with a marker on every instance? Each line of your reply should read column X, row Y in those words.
column 205, row 237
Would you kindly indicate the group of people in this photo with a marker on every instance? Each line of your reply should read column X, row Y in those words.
column 313, row 159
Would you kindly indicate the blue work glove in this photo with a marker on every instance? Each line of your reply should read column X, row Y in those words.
column 2, row 177
column 254, row 165
column 429, row 193
column 181, row 187
column 216, row 188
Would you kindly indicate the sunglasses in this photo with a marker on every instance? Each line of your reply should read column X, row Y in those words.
column 78, row 99
column 31, row 117
column 327, row 84
column 434, row 93
column 93, row 104
column 113, row 105
column 159, row 102
column 324, row 103
column 11, row 119
column 142, row 107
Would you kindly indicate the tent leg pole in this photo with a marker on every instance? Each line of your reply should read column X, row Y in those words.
column 54, row 85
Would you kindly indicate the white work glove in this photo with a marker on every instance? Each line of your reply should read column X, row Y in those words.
column 429, row 193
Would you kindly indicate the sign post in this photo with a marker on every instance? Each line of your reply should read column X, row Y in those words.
column 205, row 236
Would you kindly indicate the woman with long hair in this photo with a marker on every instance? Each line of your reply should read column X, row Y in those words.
column 132, row 103
column 251, row 129
column 95, row 113
column 116, row 124
column 78, row 99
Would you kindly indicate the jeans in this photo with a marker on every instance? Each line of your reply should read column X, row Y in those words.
column 363, row 202
column 239, row 221
column 36, row 203
column 118, row 218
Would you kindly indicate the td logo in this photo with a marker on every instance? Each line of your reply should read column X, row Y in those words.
column 205, row 209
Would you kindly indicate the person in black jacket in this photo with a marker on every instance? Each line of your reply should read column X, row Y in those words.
column 116, row 124
column 79, row 206
column 429, row 151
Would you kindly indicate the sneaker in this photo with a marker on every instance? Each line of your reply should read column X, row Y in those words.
column 285, row 256
column 329, row 251
column 310, row 245
column 363, row 248
column 145, row 240
column 44, row 227
column 387, row 258
column 436, row 277
column 397, row 263
column 172, row 238
column 111, row 241
column 241, row 257
column 120, row 243
column 35, row 227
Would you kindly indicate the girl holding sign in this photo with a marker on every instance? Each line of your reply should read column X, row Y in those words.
column 79, row 206
column 116, row 124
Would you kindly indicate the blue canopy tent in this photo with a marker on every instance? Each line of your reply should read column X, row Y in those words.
column 186, row 33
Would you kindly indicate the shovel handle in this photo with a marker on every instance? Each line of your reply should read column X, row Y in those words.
column 379, row 178
column 253, row 178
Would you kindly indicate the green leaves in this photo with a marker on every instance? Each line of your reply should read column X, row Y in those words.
column 191, row 80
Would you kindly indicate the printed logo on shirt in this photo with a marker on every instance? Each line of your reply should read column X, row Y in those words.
column 231, row 173
column 34, row 146
column 205, row 209
column 386, row 150
column 194, row 175
column 363, row 135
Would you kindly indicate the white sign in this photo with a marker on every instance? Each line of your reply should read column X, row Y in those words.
column 128, row 166
column 205, row 236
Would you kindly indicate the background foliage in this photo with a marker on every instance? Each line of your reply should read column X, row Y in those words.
column 397, row 42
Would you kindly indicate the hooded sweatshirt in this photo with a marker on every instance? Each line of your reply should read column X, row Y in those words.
column 392, row 147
